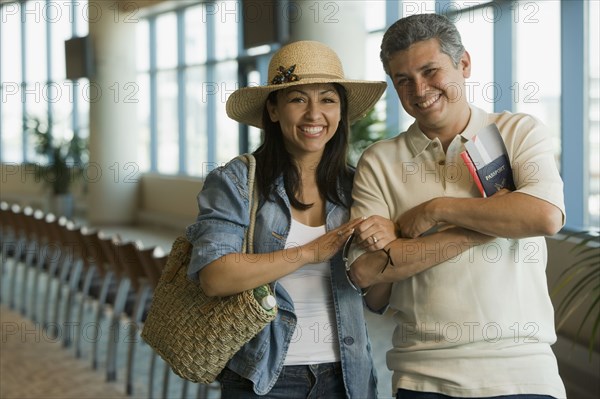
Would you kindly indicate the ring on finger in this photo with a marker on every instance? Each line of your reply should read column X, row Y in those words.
column 374, row 239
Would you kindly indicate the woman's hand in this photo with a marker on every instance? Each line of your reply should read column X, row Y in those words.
column 374, row 233
column 325, row 247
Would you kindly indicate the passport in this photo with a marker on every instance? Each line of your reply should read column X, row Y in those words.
column 486, row 158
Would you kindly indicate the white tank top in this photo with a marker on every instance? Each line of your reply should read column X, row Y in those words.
column 315, row 339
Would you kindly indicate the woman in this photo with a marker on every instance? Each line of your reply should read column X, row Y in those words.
column 318, row 345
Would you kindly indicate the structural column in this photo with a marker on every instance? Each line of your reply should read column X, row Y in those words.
column 113, row 172
column 338, row 24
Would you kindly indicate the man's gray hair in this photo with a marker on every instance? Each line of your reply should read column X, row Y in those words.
column 419, row 27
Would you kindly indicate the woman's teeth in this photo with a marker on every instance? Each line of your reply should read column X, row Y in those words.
column 312, row 130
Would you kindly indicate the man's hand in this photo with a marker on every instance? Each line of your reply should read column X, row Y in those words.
column 416, row 221
column 374, row 233
column 366, row 273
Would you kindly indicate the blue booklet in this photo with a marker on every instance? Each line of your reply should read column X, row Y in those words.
column 487, row 160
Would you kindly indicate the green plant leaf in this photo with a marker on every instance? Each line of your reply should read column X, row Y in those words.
column 363, row 133
column 569, row 274
column 64, row 159
column 591, row 308
column 568, row 312
column 572, row 295
column 579, row 282
column 594, row 330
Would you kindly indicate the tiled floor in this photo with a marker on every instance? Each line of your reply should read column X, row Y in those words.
column 34, row 364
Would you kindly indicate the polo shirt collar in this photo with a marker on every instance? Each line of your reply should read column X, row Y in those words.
column 476, row 123
column 418, row 141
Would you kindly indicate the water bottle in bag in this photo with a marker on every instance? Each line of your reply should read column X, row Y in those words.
column 266, row 299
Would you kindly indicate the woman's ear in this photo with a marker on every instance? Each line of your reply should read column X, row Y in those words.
column 272, row 109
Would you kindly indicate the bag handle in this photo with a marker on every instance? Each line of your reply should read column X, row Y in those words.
column 248, row 243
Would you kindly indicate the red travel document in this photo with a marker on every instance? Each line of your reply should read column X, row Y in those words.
column 487, row 160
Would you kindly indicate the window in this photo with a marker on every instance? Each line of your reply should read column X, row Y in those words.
column 11, row 121
column 32, row 72
column 196, row 127
column 374, row 11
column 476, row 29
column 594, row 115
column 167, row 123
column 190, row 70
column 536, row 85
column 189, row 61
column 144, row 104
column 579, row 111
column 196, row 88
column 516, row 52
column 476, row 26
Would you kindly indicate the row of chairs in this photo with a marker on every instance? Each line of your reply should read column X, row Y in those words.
column 82, row 267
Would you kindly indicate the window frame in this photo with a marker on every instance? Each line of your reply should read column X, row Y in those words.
column 27, row 153
column 211, row 63
column 574, row 131
column 574, row 103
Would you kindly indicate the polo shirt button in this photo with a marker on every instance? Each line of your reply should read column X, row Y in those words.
column 348, row 340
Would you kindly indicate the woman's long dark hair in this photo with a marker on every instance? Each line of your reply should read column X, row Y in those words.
column 273, row 160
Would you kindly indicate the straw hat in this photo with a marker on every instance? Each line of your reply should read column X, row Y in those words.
column 299, row 63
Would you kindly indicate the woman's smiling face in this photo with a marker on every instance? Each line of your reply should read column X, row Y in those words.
column 309, row 116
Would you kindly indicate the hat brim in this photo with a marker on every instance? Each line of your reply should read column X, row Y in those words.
column 246, row 105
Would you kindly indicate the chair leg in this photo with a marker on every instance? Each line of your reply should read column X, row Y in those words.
column 165, row 387
column 15, row 270
column 113, row 332
column 48, row 292
column 8, row 247
column 138, row 313
column 99, row 310
column 71, row 294
column 202, row 391
column 6, row 275
column 54, row 261
column 151, row 375
column 85, row 292
column 184, row 389
column 30, row 252
column 62, row 282
column 39, row 265
column 130, row 360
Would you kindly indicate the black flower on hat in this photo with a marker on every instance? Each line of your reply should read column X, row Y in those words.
column 285, row 75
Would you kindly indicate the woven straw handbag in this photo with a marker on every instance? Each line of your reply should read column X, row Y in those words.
column 195, row 334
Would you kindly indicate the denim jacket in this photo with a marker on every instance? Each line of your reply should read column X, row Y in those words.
column 219, row 230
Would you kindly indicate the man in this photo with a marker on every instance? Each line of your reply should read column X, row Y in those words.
column 480, row 323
